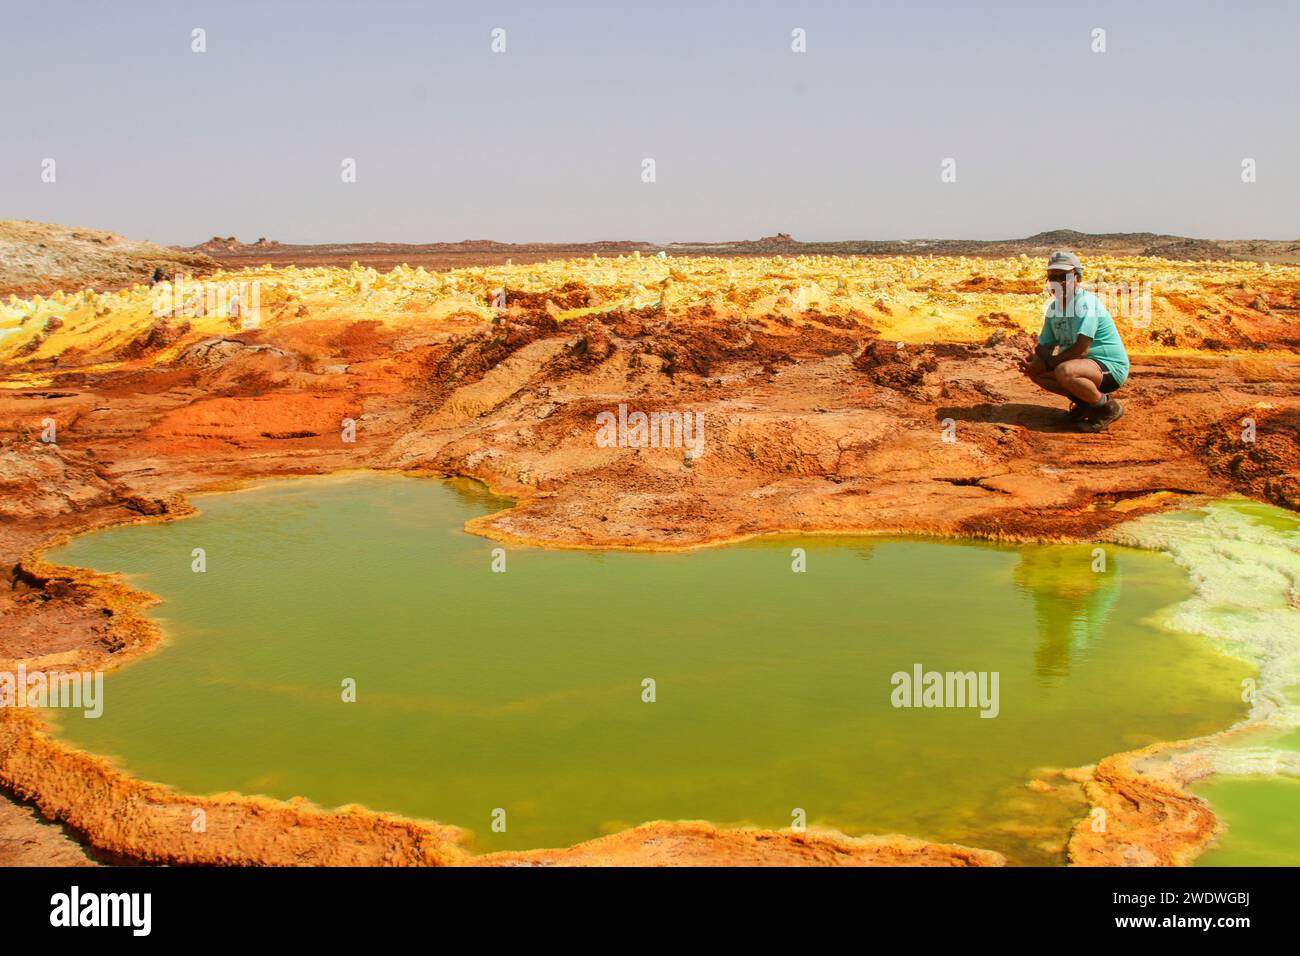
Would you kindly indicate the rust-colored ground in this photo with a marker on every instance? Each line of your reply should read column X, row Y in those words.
column 827, row 387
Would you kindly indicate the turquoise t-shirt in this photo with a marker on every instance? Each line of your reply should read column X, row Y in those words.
column 1086, row 316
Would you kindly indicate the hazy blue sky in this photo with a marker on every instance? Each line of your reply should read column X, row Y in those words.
column 545, row 141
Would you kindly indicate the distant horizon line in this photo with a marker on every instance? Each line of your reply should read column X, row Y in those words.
column 773, row 238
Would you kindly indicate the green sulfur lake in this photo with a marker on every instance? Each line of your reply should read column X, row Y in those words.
column 1260, row 813
column 584, row 692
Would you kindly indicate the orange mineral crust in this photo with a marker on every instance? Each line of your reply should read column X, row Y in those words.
column 837, row 394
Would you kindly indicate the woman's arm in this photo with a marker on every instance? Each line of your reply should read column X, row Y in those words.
column 1078, row 350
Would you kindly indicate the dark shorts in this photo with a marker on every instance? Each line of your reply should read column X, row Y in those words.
column 1108, row 383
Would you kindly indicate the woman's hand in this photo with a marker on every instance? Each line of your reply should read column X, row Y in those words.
column 1033, row 365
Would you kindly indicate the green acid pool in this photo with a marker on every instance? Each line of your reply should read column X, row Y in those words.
column 478, row 690
column 1243, row 558
column 1260, row 812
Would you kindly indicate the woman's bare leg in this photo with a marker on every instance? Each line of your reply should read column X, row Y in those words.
column 1080, row 379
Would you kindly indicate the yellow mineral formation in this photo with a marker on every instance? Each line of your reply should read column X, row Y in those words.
column 1160, row 305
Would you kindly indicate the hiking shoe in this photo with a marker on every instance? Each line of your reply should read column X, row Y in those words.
column 1099, row 419
column 1076, row 411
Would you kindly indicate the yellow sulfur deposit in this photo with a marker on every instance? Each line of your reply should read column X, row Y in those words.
column 1159, row 304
